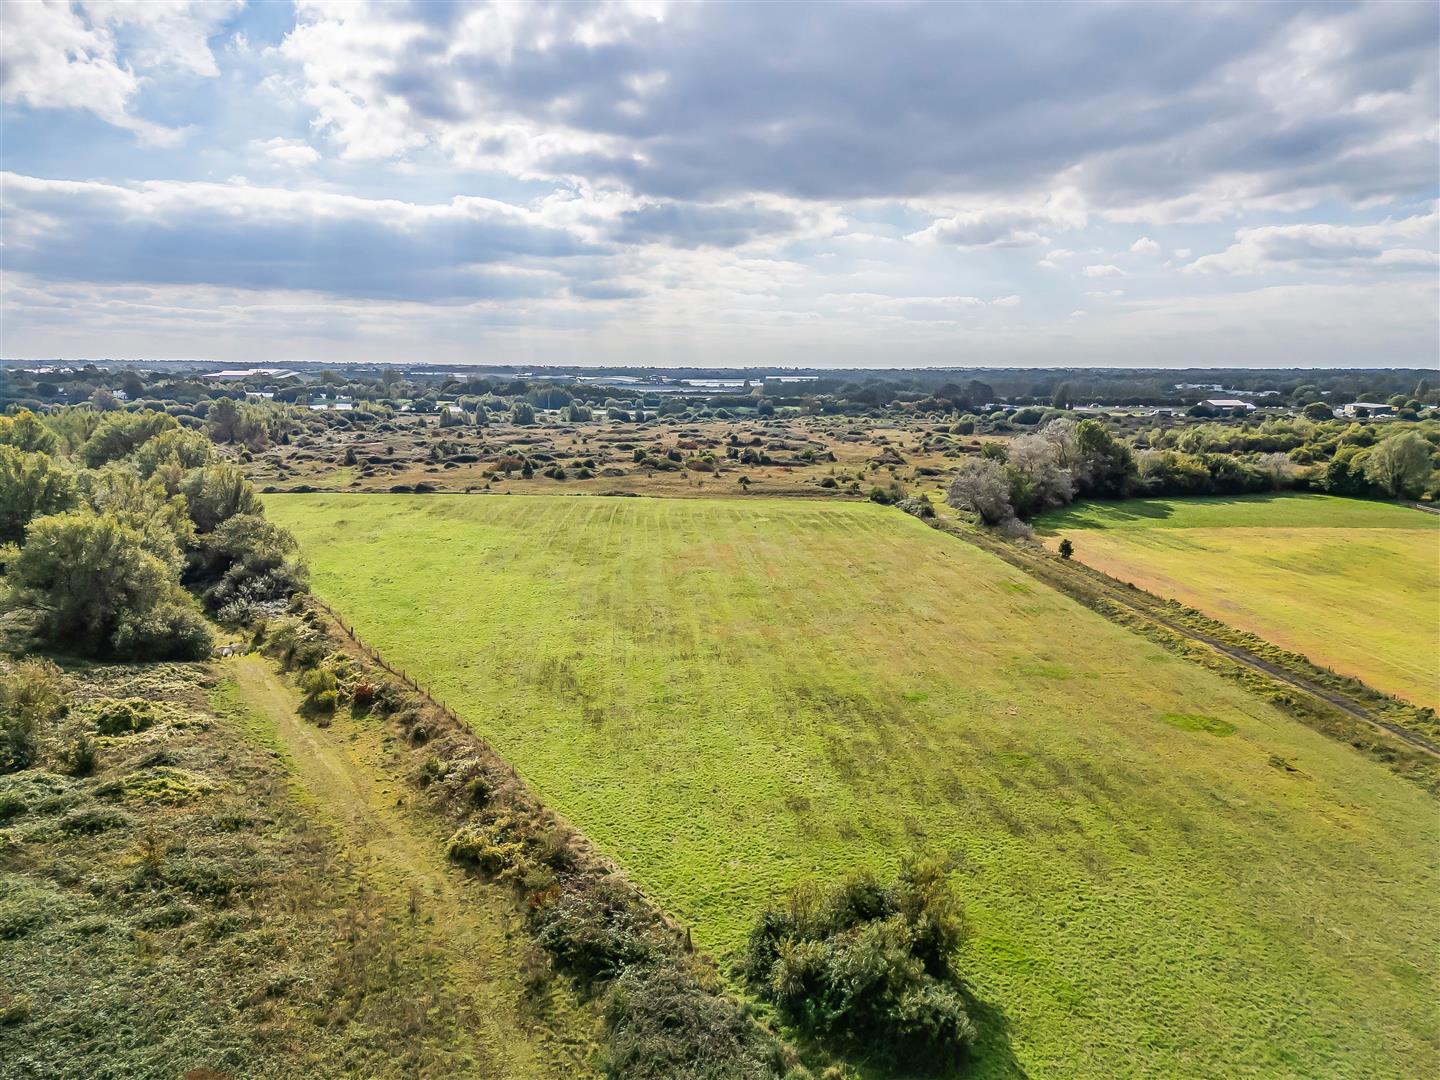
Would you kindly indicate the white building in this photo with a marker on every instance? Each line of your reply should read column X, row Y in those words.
column 1227, row 403
column 1371, row 408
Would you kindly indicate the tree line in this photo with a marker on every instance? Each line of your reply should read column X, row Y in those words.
column 1065, row 460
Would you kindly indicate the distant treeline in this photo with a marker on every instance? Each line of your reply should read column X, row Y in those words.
column 946, row 390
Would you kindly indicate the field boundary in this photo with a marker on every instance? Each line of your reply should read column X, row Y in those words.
column 459, row 737
column 1337, row 705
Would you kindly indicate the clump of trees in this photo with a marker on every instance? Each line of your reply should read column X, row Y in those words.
column 115, row 524
column 868, row 967
column 1065, row 460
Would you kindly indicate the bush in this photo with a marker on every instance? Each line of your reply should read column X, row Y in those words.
column 89, row 820
column 320, row 689
column 125, row 717
column 868, row 966
column 593, row 930
column 81, row 757
column 32, row 698
column 167, row 631
column 917, row 506
column 495, row 848
column 664, row 1024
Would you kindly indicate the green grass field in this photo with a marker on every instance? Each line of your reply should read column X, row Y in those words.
column 1352, row 585
column 729, row 696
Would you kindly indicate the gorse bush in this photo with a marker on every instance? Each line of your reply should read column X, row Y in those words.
column 595, row 932
column 32, row 699
column 867, row 966
column 665, row 1024
column 124, row 717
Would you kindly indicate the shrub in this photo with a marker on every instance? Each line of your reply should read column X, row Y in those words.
column 320, row 691
column 89, row 820
column 593, row 930
column 664, row 1024
column 32, row 697
column 294, row 642
column 168, row 631
column 917, row 506
column 124, row 717
column 1067, row 549
column 496, row 848
column 81, row 757
column 868, row 966
column 12, row 805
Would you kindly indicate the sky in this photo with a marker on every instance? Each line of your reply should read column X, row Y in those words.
column 826, row 185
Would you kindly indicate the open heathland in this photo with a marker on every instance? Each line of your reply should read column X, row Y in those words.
column 1165, row 875
column 1352, row 585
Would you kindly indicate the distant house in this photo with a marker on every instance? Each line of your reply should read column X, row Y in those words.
column 1227, row 403
column 1366, row 408
column 236, row 374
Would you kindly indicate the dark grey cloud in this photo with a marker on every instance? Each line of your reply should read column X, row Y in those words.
column 843, row 101
column 257, row 238
column 693, row 225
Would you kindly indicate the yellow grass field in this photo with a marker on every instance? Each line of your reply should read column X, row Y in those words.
column 1352, row 585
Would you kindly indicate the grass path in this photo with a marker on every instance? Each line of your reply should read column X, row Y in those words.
column 346, row 773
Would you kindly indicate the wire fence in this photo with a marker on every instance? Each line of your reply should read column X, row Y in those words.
column 404, row 676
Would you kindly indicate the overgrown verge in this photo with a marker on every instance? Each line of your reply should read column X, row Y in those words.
column 1338, row 706
column 667, row 1013
column 169, row 909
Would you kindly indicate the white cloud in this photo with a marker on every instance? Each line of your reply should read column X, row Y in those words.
column 1102, row 270
column 67, row 56
column 1053, row 260
column 1275, row 107
column 1327, row 247
column 1078, row 313
column 1145, row 246
column 1005, row 301
column 1007, row 226
column 289, row 153
column 1106, row 294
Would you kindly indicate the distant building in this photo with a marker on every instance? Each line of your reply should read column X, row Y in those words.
column 1366, row 408
column 1227, row 403
column 236, row 374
